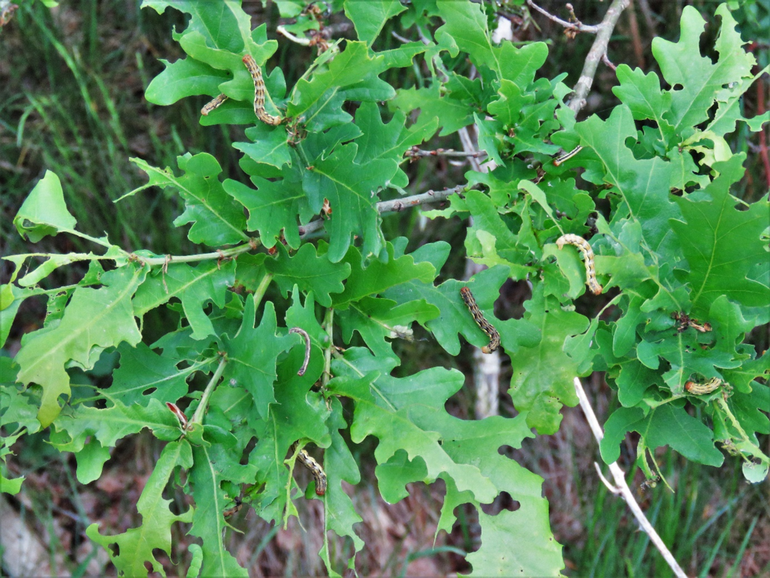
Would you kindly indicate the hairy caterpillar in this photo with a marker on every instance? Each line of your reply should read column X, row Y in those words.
column 315, row 469
column 703, row 388
column 259, row 92
column 567, row 156
column 478, row 317
column 211, row 105
column 306, row 337
column 588, row 258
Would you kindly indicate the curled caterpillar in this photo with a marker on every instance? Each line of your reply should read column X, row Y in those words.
column 259, row 92
column 315, row 469
column 306, row 337
column 650, row 483
column 703, row 388
column 588, row 258
column 235, row 509
column 478, row 317
column 211, row 105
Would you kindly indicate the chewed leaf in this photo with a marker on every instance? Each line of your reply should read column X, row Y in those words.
column 44, row 212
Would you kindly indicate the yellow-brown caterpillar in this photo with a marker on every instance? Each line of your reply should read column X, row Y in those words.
column 259, row 92
column 211, row 105
column 703, row 388
column 315, row 469
column 588, row 258
column 478, row 317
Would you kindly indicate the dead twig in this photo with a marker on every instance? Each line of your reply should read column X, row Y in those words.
column 621, row 487
column 598, row 50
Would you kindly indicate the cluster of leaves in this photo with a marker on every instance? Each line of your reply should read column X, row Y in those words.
column 669, row 239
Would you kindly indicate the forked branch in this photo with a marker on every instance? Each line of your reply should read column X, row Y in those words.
column 621, row 487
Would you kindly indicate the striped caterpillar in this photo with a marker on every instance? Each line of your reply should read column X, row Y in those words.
column 259, row 95
column 588, row 258
column 259, row 92
column 315, row 469
column 703, row 388
column 211, row 105
column 478, row 317
column 567, row 156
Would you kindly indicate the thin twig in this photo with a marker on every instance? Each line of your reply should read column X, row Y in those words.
column 577, row 26
column 395, row 205
column 418, row 152
column 621, row 487
column 598, row 49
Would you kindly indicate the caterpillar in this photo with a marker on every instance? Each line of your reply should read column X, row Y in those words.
column 259, row 92
column 211, row 105
column 588, row 258
column 478, row 317
column 315, row 469
column 684, row 321
column 567, row 156
column 306, row 337
column 235, row 509
column 703, row 388
column 650, row 483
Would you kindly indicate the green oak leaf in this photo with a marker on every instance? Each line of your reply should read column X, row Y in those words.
column 143, row 375
column 723, row 244
column 369, row 17
column 379, row 319
column 252, row 355
column 700, row 78
column 340, row 465
column 268, row 146
column 352, row 66
column 297, row 414
column 273, row 206
column 217, row 219
column 451, row 114
column 308, row 271
column 94, row 320
column 135, row 547
column 377, row 277
column 212, row 465
column 350, row 188
column 390, row 141
column 385, row 406
column 543, row 373
column 661, row 426
column 44, row 211
column 195, row 287
column 643, row 183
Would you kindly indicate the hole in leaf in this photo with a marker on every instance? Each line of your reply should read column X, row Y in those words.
column 503, row 501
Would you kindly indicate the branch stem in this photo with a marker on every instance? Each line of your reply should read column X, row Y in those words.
column 621, row 487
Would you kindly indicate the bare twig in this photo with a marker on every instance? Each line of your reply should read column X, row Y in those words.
column 396, row 205
column 416, row 152
column 598, row 49
column 621, row 487
column 576, row 26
